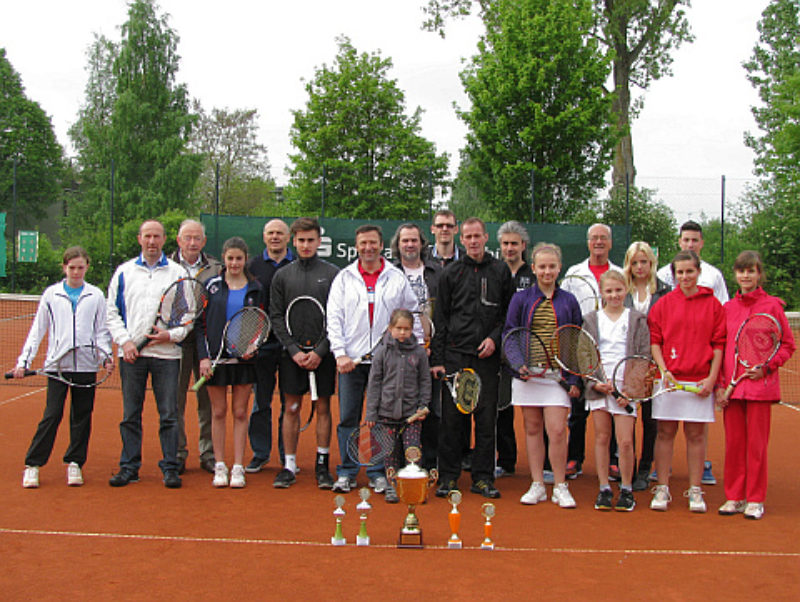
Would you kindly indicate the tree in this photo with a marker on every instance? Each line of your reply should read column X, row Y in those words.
column 355, row 135
column 229, row 140
column 638, row 36
column 27, row 137
column 537, row 104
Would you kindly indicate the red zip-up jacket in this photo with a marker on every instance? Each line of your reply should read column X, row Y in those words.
column 737, row 310
column 688, row 329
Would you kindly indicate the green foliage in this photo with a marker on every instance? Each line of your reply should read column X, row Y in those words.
column 537, row 103
column 26, row 134
column 355, row 134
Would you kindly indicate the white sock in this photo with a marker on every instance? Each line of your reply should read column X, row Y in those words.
column 324, row 450
column 291, row 462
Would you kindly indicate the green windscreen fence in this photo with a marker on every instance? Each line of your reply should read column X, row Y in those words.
column 3, row 246
column 338, row 238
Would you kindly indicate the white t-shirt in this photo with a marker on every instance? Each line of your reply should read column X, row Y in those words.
column 613, row 337
column 416, row 278
column 709, row 276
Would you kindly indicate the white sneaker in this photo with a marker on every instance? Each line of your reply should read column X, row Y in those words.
column 731, row 507
column 74, row 475
column 30, row 478
column 754, row 511
column 378, row 484
column 237, row 476
column 696, row 501
column 342, row 485
column 562, row 496
column 661, row 498
column 537, row 493
column 220, row 475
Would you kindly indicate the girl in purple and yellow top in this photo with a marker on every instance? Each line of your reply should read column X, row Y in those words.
column 748, row 409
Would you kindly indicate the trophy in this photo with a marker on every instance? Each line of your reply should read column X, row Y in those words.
column 412, row 487
column 362, row 539
column 488, row 512
column 454, row 497
column 338, row 539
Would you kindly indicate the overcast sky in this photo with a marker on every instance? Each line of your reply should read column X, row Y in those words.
column 255, row 54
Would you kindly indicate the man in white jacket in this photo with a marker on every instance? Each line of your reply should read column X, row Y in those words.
column 362, row 297
column 133, row 297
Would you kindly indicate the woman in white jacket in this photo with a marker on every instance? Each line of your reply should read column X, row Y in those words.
column 71, row 313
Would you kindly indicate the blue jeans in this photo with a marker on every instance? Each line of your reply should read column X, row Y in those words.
column 260, row 428
column 164, row 376
column 352, row 387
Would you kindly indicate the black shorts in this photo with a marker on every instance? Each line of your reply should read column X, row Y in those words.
column 293, row 380
column 233, row 374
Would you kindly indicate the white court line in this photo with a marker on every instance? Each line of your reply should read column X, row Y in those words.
column 278, row 542
column 28, row 394
column 790, row 406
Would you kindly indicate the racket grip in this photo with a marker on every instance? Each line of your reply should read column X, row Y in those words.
column 27, row 373
column 691, row 388
column 142, row 344
column 199, row 384
column 312, row 386
column 728, row 391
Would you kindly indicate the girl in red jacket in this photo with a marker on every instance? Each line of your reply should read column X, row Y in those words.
column 748, row 408
column 687, row 338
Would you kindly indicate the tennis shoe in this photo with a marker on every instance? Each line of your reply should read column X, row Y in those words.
column 574, row 469
column 30, row 478
column 220, row 475
column 731, row 507
column 342, row 485
column 535, row 494
column 500, row 472
column 378, row 484
column 605, row 500
column 284, row 479
column 708, row 476
column 445, row 487
column 324, row 479
column 172, row 479
column 256, row 464
column 625, row 501
column 640, row 481
column 661, row 498
column 754, row 511
column 562, row 496
column 486, row 489
column 237, row 477
column 74, row 475
column 548, row 477
column 696, row 501
column 123, row 477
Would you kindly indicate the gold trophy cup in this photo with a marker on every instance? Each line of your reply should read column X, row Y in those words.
column 413, row 483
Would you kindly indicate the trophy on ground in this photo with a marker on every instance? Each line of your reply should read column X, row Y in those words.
column 362, row 539
column 412, row 487
column 338, row 538
column 488, row 512
column 454, row 497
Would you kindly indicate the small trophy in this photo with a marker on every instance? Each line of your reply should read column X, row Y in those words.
column 338, row 538
column 454, row 497
column 412, row 487
column 488, row 512
column 362, row 539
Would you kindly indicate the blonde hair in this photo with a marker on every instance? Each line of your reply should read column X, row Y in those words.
column 612, row 275
column 643, row 247
column 545, row 247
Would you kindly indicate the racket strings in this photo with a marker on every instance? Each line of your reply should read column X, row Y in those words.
column 306, row 325
column 87, row 358
column 246, row 332
column 182, row 303
column 370, row 446
column 577, row 351
column 638, row 375
column 757, row 341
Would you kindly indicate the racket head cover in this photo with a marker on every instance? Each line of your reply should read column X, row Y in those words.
column 467, row 386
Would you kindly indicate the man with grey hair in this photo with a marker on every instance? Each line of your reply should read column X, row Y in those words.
column 598, row 239
column 189, row 254
column 514, row 241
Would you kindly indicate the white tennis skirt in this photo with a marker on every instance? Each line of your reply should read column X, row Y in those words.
column 538, row 393
column 682, row 405
column 610, row 405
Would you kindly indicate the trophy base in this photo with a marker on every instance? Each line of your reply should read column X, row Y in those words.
column 455, row 544
column 487, row 545
column 362, row 541
column 338, row 541
column 410, row 540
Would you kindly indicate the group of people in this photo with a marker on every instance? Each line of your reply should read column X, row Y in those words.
column 376, row 344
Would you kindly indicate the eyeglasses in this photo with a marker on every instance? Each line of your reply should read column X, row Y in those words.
column 598, row 237
column 444, row 225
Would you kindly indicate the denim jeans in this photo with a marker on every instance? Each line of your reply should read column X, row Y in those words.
column 190, row 363
column 352, row 387
column 164, row 376
column 260, row 428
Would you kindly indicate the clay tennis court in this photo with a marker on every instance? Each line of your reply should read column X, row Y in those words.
column 146, row 542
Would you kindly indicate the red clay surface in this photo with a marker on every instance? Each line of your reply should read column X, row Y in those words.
column 146, row 542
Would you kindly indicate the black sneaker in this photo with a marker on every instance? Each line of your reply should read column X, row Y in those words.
column 486, row 489
column 182, row 466
column 604, row 500
column 208, row 463
column 123, row 477
column 640, row 482
column 324, row 480
column 172, row 480
column 625, row 501
column 256, row 464
column 445, row 487
column 284, row 478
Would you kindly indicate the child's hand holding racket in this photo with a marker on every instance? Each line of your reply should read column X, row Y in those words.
column 420, row 414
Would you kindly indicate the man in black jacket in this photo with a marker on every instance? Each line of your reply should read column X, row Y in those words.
column 474, row 293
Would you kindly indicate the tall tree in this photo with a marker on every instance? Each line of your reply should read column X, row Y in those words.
column 638, row 36
column 354, row 132
column 537, row 104
column 27, row 137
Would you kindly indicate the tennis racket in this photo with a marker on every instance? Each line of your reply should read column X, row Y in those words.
column 575, row 350
column 526, row 355
column 585, row 291
column 181, row 303
column 425, row 316
column 635, row 376
column 242, row 336
column 369, row 446
column 465, row 389
column 83, row 359
column 757, row 341
column 367, row 357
